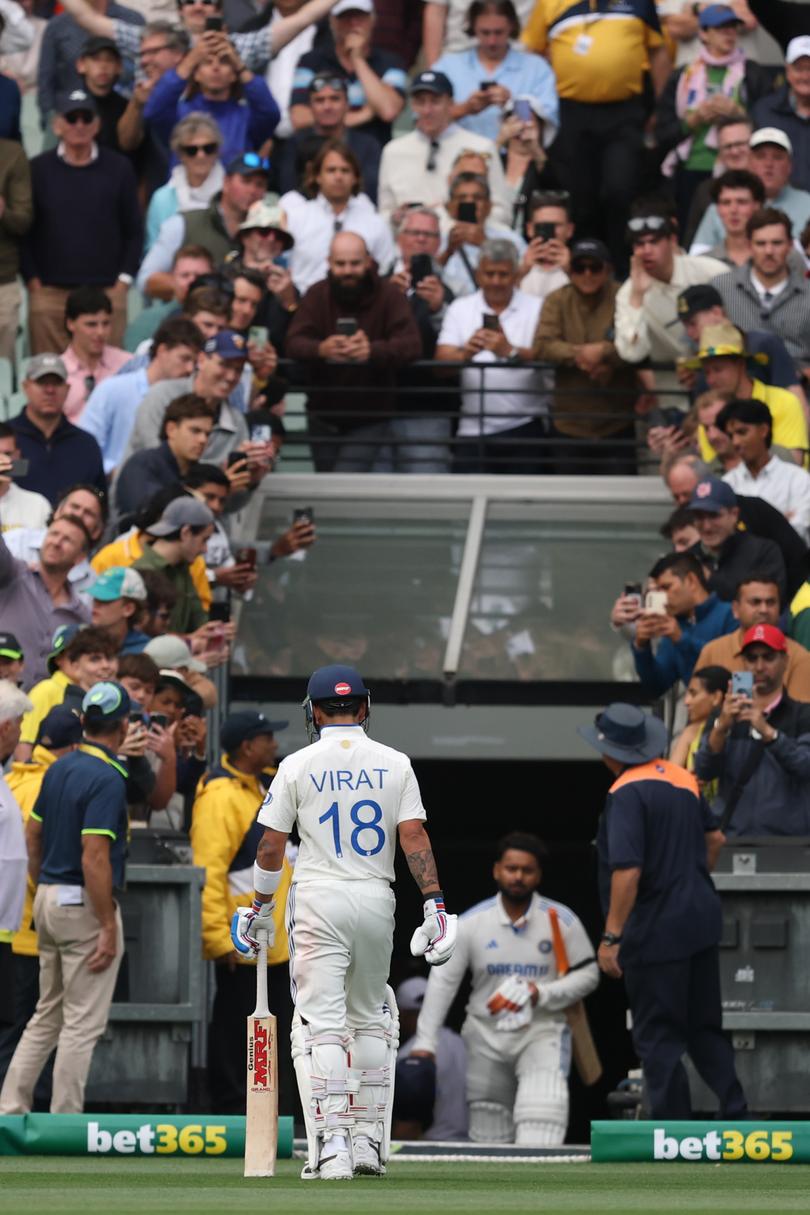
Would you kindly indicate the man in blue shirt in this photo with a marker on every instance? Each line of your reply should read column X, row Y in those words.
column 492, row 73
column 58, row 453
column 656, row 844
column 111, row 407
column 76, row 836
column 693, row 616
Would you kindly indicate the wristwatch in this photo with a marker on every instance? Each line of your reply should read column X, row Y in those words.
column 611, row 938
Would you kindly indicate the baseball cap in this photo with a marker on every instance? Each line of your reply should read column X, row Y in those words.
column 59, row 728
column 696, row 299
column 181, row 512
column 75, row 101
column 60, row 640
column 118, row 583
column 764, row 634
column 270, row 219
column 94, row 46
column 247, row 163
column 716, row 15
column 46, row 364
column 106, row 701
column 771, row 135
column 244, row 724
column 168, row 675
column 352, row 6
column 228, row 344
column 797, row 48
column 431, row 82
column 411, row 994
column 594, row 249
column 335, row 683
column 10, row 646
column 169, row 652
column 712, row 496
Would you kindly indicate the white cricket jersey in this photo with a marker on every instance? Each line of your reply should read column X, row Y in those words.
column 347, row 794
column 492, row 947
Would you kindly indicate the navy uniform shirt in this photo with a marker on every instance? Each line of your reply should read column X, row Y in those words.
column 656, row 820
column 70, row 455
column 83, row 793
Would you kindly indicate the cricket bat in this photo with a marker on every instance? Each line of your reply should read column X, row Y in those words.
column 586, row 1057
column 261, row 1122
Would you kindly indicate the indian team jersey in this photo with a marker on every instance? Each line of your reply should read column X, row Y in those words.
column 347, row 794
column 493, row 948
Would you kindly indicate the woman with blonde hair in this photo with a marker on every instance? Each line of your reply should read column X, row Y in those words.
column 196, row 141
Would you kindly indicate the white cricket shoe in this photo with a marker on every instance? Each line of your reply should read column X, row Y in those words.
column 335, row 1163
column 366, row 1155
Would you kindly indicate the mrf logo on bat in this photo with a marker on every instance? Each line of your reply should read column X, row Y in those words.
column 259, row 1058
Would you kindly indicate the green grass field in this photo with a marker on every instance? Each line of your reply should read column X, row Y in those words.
column 55, row 1186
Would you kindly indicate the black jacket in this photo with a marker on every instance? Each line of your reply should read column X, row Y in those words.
column 742, row 555
column 761, row 519
column 776, row 110
column 669, row 130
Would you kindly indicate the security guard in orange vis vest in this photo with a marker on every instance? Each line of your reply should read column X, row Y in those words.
column 224, row 838
column 657, row 842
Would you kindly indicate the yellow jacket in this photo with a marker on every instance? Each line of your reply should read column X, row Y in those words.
column 25, row 781
column 224, row 838
column 129, row 547
column 44, row 696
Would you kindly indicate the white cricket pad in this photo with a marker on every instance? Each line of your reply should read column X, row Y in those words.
column 541, row 1108
column 490, row 1122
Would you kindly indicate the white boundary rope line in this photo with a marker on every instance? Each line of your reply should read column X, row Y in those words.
column 407, row 1158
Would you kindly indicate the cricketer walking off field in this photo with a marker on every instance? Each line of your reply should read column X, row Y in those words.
column 350, row 798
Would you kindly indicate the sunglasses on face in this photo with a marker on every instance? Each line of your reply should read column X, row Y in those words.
column 83, row 116
column 586, row 267
column 252, row 160
column 206, row 3
column 648, row 223
column 198, row 149
column 327, row 82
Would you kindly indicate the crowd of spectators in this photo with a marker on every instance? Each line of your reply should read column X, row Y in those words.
column 200, row 162
column 491, row 237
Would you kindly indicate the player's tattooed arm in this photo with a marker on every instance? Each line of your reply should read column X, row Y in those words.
column 419, row 855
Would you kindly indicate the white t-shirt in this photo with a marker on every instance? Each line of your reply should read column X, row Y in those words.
column 456, row 37
column 13, row 861
column 23, row 508
column 347, row 794
column 313, row 226
column 514, row 395
column 281, row 69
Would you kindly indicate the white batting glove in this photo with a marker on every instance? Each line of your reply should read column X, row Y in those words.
column 435, row 939
column 247, row 922
column 507, row 1022
column 512, row 999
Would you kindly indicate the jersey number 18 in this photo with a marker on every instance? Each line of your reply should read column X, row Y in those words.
column 360, row 825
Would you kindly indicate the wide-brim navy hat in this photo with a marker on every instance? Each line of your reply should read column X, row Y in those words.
column 627, row 733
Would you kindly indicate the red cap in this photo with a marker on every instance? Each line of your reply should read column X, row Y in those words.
column 765, row 634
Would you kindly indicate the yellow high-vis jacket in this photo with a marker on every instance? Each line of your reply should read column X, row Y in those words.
column 25, row 781
column 224, row 838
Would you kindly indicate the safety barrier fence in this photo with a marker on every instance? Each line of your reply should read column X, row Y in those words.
column 412, row 417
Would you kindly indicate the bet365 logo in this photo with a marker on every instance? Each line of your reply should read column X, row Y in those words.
column 258, row 1064
column 724, row 1145
column 165, row 1138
